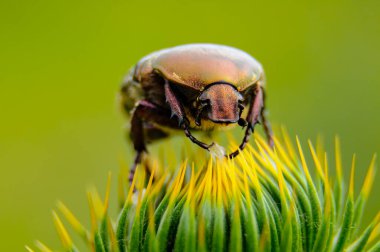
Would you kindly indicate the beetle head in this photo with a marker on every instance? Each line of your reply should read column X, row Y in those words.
column 220, row 103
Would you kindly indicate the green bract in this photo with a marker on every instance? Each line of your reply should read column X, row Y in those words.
column 264, row 200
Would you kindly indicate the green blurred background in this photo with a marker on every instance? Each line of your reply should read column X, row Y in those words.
column 61, row 63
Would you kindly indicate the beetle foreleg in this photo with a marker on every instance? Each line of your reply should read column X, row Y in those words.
column 194, row 140
column 175, row 105
column 255, row 110
column 177, row 110
column 248, row 133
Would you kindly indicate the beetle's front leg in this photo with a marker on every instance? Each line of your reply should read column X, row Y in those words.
column 255, row 110
column 203, row 145
column 178, row 111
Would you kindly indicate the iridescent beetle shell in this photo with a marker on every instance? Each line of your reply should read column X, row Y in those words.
column 198, row 65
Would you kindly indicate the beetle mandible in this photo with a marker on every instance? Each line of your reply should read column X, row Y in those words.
column 194, row 86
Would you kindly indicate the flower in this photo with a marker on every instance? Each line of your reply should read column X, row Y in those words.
column 263, row 200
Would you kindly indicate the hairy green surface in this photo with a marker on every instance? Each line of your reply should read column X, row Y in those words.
column 264, row 200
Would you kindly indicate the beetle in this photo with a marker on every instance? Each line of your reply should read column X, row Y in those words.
column 194, row 86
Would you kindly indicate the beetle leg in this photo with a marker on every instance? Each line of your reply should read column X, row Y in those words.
column 175, row 105
column 195, row 140
column 177, row 110
column 151, row 133
column 255, row 110
column 137, row 136
column 137, row 161
column 145, row 111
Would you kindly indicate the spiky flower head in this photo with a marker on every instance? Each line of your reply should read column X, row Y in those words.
column 264, row 200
